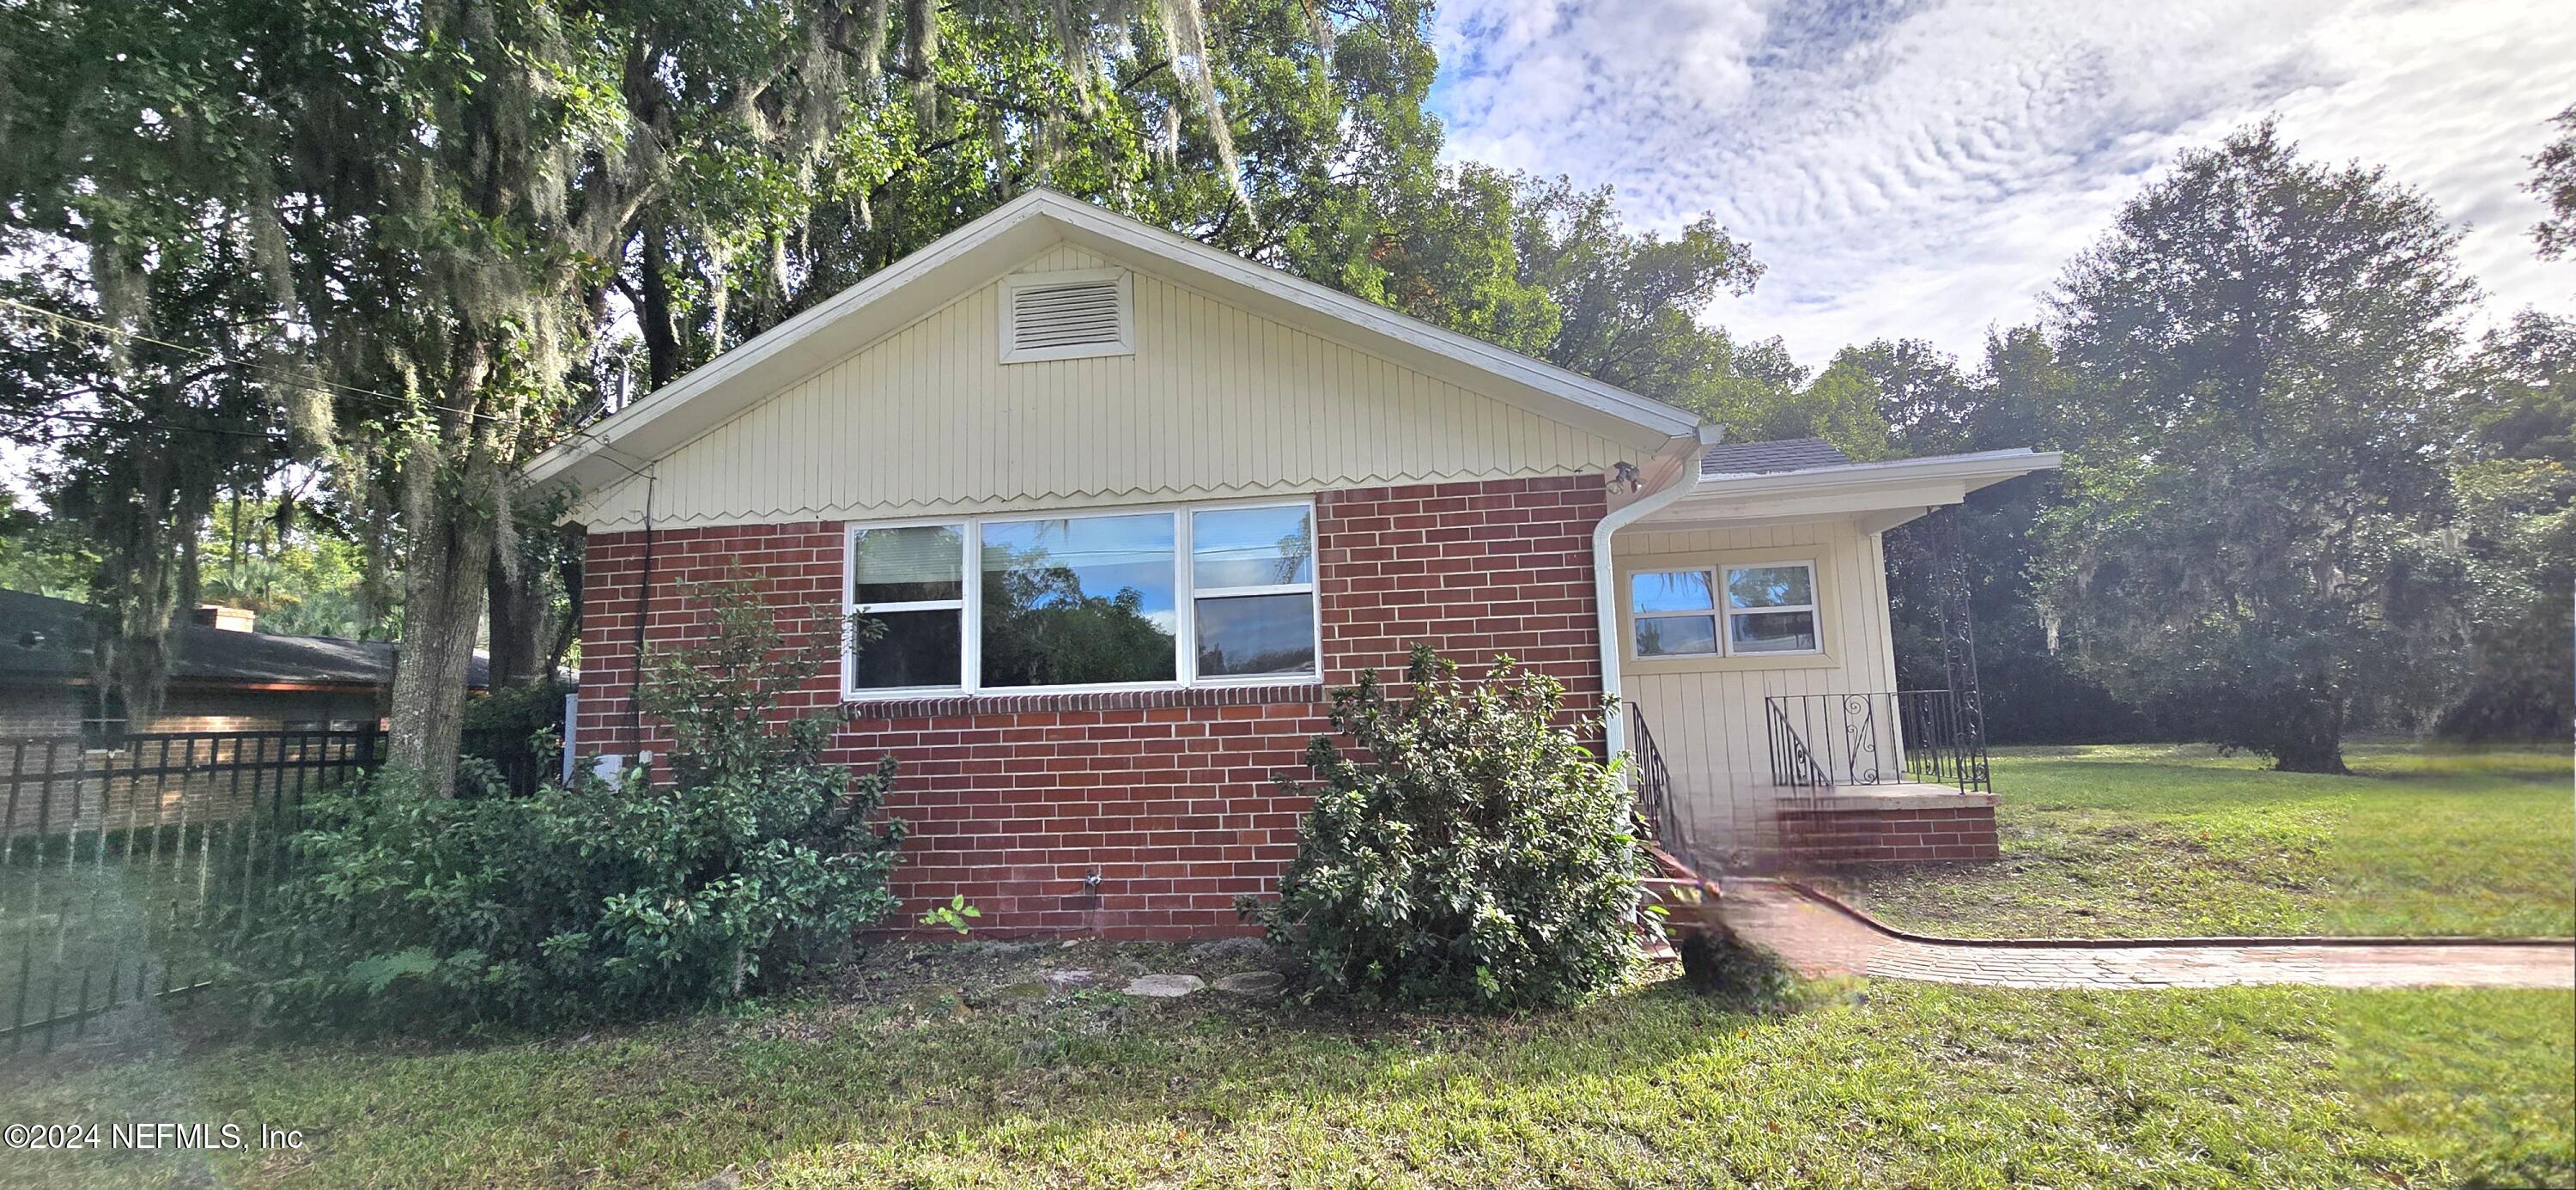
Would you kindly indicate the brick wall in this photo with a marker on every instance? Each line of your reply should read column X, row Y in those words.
column 795, row 567
column 1908, row 834
column 1476, row 569
column 1170, row 797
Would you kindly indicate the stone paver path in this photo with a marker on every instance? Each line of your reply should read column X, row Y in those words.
column 1815, row 938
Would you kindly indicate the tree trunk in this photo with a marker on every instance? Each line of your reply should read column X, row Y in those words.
column 522, row 607
column 2315, row 744
column 443, row 580
column 568, row 578
column 658, row 320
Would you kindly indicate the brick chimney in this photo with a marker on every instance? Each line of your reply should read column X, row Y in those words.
column 226, row 619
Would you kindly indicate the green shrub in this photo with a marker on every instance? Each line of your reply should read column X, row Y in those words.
column 524, row 710
column 608, row 899
column 1464, row 849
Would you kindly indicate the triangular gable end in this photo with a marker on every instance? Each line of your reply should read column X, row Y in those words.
column 1243, row 380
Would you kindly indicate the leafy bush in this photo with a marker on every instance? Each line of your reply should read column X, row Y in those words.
column 1464, row 851
column 524, row 710
column 606, row 899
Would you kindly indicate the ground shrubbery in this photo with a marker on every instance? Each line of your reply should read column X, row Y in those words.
column 1465, row 849
column 748, row 858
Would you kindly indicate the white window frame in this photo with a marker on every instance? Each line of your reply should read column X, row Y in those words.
column 1013, row 353
column 1727, row 614
column 1714, row 613
column 970, row 588
column 970, row 606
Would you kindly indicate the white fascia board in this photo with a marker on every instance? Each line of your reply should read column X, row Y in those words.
column 1848, row 488
column 1991, row 466
column 967, row 258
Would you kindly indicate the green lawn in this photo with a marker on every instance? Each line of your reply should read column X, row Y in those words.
column 950, row 1075
column 2140, row 840
column 955, row 1066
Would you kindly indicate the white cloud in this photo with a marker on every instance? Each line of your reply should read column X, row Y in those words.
column 1924, row 168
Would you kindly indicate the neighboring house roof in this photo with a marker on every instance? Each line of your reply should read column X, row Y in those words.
column 1757, row 458
column 43, row 638
column 989, row 247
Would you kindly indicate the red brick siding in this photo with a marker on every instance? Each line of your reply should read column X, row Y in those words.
column 1177, row 809
column 1475, row 569
column 1907, row 835
column 796, row 567
column 1172, row 798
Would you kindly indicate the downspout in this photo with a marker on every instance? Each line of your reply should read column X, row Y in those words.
column 1680, row 475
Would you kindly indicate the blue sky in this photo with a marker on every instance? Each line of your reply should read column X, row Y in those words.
column 1924, row 169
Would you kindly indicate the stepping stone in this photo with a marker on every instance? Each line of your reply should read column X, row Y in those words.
column 1164, row 987
column 1071, row 977
column 1253, row 985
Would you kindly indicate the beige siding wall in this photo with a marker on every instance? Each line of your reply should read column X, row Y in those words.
column 1215, row 402
column 1707, row 714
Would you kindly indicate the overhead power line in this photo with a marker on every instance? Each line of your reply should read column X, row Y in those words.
column 329, row 388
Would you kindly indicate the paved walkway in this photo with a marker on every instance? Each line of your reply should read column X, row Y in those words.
column 1815, row 938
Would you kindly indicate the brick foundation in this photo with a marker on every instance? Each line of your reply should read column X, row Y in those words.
column 1171, row 797
column 1851, row 837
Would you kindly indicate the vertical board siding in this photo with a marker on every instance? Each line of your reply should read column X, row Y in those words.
column 1216, row 401
column 1709, row 724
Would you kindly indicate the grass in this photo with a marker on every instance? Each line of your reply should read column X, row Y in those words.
column 956, row 1066
column 915, row 1083
column 2143, row 840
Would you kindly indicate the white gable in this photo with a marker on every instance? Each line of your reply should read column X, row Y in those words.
column 1240, row 378
column 1212, row 401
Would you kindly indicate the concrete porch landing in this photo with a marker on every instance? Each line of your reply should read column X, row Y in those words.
column 1891, row 795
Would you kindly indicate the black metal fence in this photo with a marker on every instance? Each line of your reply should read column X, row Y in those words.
column 1819, row 741
column 524, row 761
column 122, row 871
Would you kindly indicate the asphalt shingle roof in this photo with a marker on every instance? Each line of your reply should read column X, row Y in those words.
column 42, row 636
column 1755, row 458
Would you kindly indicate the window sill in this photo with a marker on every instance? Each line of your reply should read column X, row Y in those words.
column 948, row 705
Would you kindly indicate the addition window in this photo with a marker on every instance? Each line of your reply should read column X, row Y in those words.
column 1730, row 611
column 1675, row 613
column 1169, row 597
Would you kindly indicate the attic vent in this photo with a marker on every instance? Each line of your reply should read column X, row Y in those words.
column 1066, row 315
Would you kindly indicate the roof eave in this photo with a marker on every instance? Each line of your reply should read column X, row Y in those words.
column 1850, row 489
column 1998, row 464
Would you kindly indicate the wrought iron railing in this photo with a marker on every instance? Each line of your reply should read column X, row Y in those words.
column 1653, row 782
column 1792, row 765
column 1933, row 737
